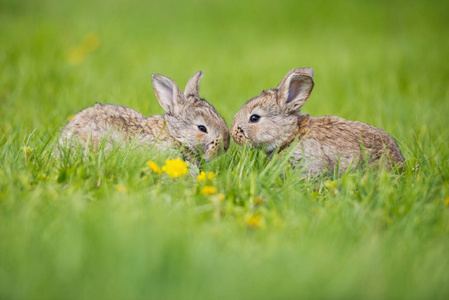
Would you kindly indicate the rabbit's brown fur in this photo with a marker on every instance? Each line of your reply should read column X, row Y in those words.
column 177, row 129
column 324, row 142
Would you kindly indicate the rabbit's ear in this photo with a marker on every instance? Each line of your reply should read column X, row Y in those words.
column 167, row 92
column 193, row 85
column 295, row 88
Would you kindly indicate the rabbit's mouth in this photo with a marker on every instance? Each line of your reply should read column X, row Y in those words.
column 216, row 148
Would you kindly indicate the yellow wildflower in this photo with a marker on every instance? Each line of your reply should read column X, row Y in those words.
column 221, row 197
column 206, row 175
column 254, row 220
column 446, row 202
column 121, row 188
column 154, row 167
column 202, row 176
column 175, row 168
column 208, row 190
column 69, row 118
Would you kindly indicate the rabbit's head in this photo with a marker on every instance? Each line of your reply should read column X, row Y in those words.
column 191, row 120
column 271, row 118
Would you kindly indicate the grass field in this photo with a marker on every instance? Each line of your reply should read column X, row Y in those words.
column 106, row 227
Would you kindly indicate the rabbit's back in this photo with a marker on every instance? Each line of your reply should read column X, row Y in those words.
column 331, row 140
column 114, row 122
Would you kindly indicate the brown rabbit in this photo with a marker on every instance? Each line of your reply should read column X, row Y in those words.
column 274, row 120
column 190, row 123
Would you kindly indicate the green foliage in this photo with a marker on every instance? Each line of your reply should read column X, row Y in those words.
column 85, row 225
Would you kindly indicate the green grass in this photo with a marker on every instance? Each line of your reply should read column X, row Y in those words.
column 66, row 232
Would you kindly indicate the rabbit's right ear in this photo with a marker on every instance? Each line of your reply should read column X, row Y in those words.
column 193, row 85
column 295, row 88
column 167, row 92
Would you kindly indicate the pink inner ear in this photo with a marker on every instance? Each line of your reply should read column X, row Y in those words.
column 299, row 90
column 165, row 90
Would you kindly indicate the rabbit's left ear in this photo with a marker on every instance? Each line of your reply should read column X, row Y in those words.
column 193, row 85
column 295, row 88
column 168, row 94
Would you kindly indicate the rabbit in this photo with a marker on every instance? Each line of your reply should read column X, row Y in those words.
column 190, row 123
column 274, row 120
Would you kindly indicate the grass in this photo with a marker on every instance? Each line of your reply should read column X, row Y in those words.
column 106, row 227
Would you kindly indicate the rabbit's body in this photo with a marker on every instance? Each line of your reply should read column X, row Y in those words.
column 190, row 124
column 330, row 142
column 114, row 125
column 273, row 120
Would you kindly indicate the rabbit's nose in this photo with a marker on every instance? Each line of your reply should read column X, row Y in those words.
column 238, row 134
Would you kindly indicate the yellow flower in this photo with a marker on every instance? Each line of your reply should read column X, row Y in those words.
column 202, row 176
column 254, row 220
column 154, row 167
column 206, row 175
column 446, row 202
column 175, row 168
column 121, row 188
column 221, row 197
column 69, row 118
column 208, row 190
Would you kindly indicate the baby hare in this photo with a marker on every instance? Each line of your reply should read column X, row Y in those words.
column 190, row 124
column 274, row 120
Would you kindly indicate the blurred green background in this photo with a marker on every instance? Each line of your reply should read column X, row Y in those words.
column 373, row 60
column 70, row 233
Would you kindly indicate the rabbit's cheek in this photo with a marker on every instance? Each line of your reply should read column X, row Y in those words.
column 199, row 137
column 254, row 133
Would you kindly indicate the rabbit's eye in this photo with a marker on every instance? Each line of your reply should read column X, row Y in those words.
column 254, row 118
column 202, row 128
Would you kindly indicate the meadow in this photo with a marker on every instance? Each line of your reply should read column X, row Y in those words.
column 105, row 226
